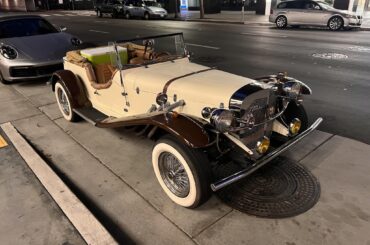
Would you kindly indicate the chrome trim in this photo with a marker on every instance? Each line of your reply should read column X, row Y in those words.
column 265, row 159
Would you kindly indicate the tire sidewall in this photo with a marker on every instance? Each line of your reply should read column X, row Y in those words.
column 59, row 86
column 194, row 196
column 146, row 16
column 336, row 17
column 127, row 15
column 281, row 17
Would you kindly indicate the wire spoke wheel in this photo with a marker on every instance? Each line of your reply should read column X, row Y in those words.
column 63, row 101
column 174, row 175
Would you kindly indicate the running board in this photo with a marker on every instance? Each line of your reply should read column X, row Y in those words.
column 90, row 114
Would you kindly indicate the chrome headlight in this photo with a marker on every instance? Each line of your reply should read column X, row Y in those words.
column 75, row 41
column 8, row 52
column 222, row 119
column 292, row 89
column 349, row 16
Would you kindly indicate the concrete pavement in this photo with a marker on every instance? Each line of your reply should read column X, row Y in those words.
column 112, row 172
column 28, row 215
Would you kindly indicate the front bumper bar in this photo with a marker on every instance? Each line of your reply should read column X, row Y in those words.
column 265, row 159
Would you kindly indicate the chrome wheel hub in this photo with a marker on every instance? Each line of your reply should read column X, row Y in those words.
column 335, row 24
column 174, row 175
column 280, row 22
column 63, row 101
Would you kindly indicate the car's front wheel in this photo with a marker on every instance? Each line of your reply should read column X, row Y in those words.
column 64, row 102
column 183, row 173
column 127, row 15
column 335, row 23
column 146, row 16
column 281, row 22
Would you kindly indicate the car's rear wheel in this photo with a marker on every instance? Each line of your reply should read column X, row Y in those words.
column 281, row 22
column 183, row 173
column 335, row 23
column 99, row 13
column 64, row 102
column 127, row 15
column 146, row 16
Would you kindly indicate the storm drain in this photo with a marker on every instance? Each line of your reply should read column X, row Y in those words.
column 330, row 56
column 280, row 189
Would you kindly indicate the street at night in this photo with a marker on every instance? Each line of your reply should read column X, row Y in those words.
column 128, row 143
column 340, row 86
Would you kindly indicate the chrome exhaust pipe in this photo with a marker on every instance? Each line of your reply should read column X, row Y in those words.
column 265, row 159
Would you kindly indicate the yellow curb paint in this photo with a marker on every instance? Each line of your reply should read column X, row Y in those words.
column 2, row 142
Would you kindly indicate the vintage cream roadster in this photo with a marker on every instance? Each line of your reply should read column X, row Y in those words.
column 198, row 115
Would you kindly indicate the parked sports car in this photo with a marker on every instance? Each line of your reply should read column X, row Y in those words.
column 312, row 13
column 31, row 47
column 199, row 116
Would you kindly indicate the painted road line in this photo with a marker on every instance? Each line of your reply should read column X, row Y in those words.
column 262, row 34
column 57, row 14
column 202, row 46
column 103, row 32
column 3, row 142
column 45, row 15
column 82, row 219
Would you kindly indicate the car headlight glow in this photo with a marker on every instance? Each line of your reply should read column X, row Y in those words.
column 222, row 119
column 8, row 52
column 75, row 41
column 292, row 89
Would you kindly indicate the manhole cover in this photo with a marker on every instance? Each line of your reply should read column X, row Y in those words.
column 280, row 189
column 330, row 56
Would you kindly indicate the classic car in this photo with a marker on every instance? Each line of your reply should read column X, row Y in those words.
column 199, row 116
column 31, row 47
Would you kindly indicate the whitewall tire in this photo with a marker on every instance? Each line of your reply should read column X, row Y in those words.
column 182, row 172
column 64, row 102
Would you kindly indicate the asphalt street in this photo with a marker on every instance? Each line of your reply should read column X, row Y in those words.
column 340, row 83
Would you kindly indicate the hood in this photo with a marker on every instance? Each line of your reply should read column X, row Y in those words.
column 41, row 48
column 156, row 9
column 342, row 11
column 210, row 87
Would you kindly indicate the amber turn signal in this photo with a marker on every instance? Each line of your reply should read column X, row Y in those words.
column 263, row 145
column 295, row 126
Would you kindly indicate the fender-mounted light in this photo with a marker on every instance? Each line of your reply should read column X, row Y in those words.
column 295, row 126
column 263, row 145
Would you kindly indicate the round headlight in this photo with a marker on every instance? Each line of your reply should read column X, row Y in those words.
column 8, row 52
column 292, row 89
column 222, row 119
column 263, row 145
column 75, row 41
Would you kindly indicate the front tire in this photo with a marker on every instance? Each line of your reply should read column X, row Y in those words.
column 64, row 102
column 183, row 172
column 335, row 23
column 281, row 22
column 146, row 16
column 127, row 15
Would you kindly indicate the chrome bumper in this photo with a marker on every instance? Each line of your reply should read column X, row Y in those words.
column 265, row 159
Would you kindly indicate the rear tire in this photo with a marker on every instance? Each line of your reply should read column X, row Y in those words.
column 184, row 173
column 281, row 22
column 335, row 23
column 64, row 99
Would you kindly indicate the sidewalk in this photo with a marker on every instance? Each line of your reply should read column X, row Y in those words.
column 112, row 168
column 28, row 215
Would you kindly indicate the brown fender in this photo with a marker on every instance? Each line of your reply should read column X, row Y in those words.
column 75, row 88
column 187, row 130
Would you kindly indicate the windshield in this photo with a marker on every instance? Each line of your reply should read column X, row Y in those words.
column 144, row 51
column 25, row 27
column 152, row 4
column 325, row 6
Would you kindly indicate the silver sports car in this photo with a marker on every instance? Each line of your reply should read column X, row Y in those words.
column 31, row 47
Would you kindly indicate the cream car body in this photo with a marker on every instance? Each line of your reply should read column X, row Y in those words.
column 197, row 114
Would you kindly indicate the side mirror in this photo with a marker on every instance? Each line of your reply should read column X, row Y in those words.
column 62, row 28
